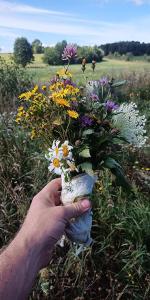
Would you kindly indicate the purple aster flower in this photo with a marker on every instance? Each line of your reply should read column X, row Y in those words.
column 86, row 121
column 110, row 105
column 70, row 51
column 94, row 97
column 103, row 81
column 69, row 82
column 53, row 80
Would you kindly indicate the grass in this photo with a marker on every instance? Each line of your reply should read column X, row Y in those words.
column 117, row 266
column 114, row 67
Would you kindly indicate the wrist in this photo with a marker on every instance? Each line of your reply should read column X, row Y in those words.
column 34, row 246
column 24, row 248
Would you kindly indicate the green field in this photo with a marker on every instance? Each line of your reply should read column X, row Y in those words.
column 114, row 67
column 42, row 72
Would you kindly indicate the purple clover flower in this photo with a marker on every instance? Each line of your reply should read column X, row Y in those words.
column 86, row 121
column 103, row 81
column 110, row 105
column 94, row 97
column 70, row 51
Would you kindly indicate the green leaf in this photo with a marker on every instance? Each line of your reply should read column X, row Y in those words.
column 97, row 105
column 111, row 163
column 116, row 84
column 85, row 153
column 117, row 170
column 87, row 132
column 87, row 168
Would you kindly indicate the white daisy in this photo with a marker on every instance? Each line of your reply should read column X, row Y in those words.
column 66, row 150
column 55, row 166
column 55, row 151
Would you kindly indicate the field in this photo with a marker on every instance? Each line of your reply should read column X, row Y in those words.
column 117, row 266
column 113, row 67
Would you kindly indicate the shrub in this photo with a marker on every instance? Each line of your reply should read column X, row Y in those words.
column 13, row 80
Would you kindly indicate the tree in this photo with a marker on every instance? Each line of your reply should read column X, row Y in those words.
column 50, row 56
column 22, row 52
column 59, row 48
column 37, row 46
column 90, row 53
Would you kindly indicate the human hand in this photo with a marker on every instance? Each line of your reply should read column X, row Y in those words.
column 47, row 218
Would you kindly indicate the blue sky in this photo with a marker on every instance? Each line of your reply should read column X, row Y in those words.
column 86, row 22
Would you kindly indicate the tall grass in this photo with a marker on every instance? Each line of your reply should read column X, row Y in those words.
column 13, row 81
column 117, row 266
column 118, row 263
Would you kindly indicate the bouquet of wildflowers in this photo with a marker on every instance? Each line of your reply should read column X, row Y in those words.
column 82, row 130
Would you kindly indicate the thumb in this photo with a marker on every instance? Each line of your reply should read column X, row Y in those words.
column 76, row 209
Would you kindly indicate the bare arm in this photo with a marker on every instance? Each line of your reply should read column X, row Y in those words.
column 32, row 247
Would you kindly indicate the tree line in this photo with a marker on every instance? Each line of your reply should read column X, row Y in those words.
column 136, row 48
column 23, row 52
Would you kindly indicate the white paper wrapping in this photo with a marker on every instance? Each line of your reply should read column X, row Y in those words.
column 79, row 230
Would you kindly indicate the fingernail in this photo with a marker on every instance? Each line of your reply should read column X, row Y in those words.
column 86, row 204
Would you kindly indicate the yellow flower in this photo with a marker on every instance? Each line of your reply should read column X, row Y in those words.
column 73, row 114
column 74, row 99
column 33, row 134
column 20, row 114
column 34, row 90
column 56, row 163
column 20, row 108
column 65, row 150
column 63, row 72
column 26, row 95
column 62, row 102
column 43, row 87
column 18, row 119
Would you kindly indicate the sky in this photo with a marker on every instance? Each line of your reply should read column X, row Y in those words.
column 85, row 22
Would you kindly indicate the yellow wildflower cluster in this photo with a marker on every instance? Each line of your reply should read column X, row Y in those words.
column 61, row 92
column 41, row 108
column 32, row 113
column 28, row 95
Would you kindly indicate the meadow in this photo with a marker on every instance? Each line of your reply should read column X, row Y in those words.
column 117, row 266
column 114, row 67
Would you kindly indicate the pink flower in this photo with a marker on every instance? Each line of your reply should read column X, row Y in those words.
column 70, row 51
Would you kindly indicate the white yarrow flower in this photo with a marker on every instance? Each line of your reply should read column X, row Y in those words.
column 131, row 126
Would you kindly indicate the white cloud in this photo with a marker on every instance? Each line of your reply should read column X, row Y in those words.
column 13, row 7
column 4, row 32
column 140, row 2
column 56, row 27
column 92, row 33
column 70, row 27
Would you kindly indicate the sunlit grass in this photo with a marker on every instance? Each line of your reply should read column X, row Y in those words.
column 114, row 67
